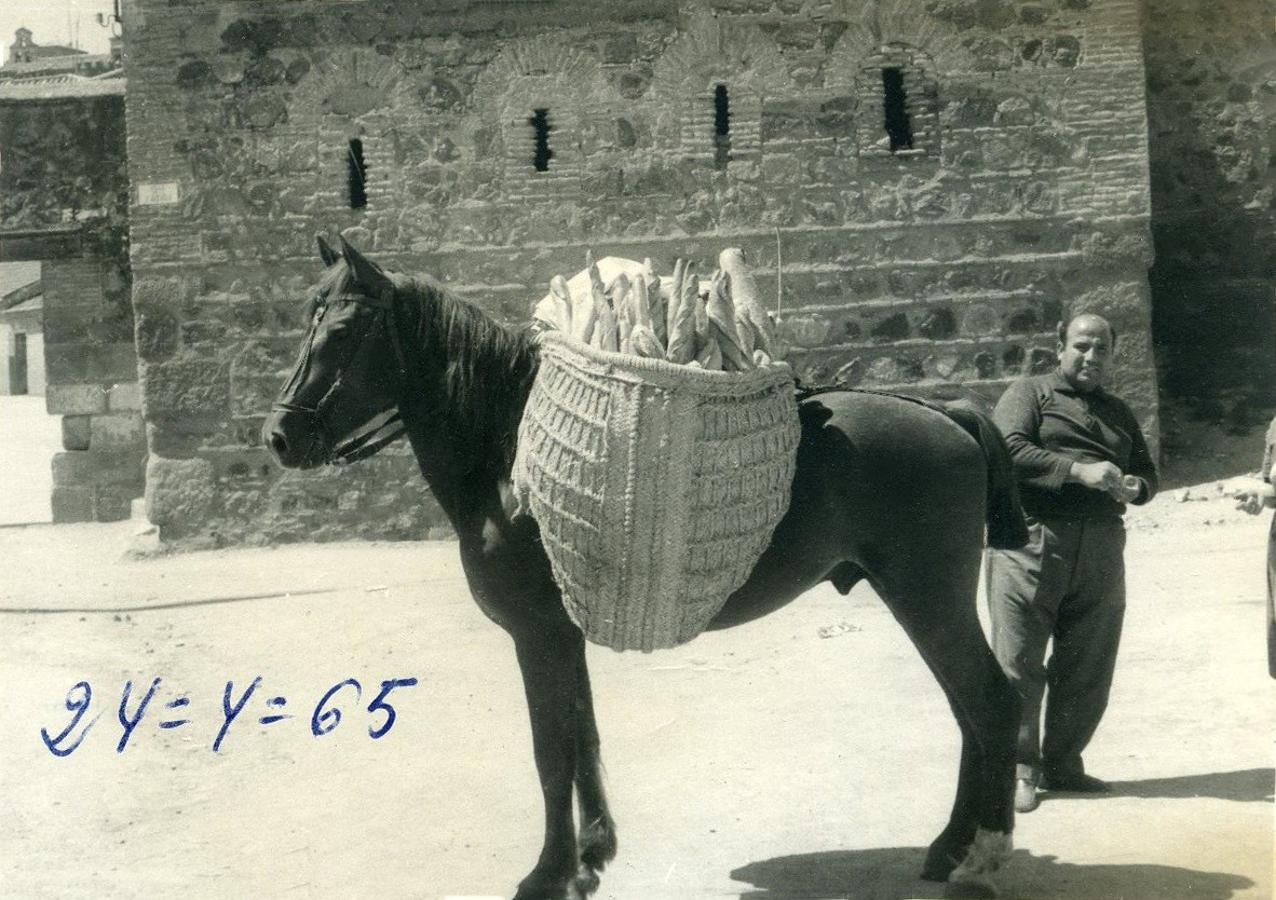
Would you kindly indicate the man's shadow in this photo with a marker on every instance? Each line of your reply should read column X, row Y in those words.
column 890, row 873
column 1244, row 785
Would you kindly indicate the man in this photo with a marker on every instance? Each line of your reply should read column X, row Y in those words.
column 1079, row 457
column 1254, row 498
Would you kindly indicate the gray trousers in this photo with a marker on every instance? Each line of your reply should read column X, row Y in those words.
column 1067, row 584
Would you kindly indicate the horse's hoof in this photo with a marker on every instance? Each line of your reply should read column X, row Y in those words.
column 967, row 890
column 598, row 843
column 586, row 881
column 940, row 863
column 973, row 878
column 546, row 887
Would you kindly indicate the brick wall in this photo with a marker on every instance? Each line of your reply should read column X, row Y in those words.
column 935, row 261
column 64, row 200
column 1212, row 119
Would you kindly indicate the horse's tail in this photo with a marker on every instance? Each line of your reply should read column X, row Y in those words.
column 1006, row 526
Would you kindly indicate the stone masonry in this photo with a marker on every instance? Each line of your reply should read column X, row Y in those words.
column 1212, row 117
column 924, row 187
column 64, row 200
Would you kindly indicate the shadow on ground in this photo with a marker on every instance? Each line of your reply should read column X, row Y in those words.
column 890, row 873
column 1245, row 785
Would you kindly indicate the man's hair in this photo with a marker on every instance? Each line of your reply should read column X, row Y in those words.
column 1061, row 329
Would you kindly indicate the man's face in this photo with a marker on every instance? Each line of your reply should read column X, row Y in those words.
column 1084, row 354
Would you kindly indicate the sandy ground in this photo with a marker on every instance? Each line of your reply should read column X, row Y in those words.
column 29, row 437
column 808, row 755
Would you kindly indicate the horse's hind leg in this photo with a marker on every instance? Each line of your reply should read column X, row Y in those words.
column 550, row 657
column 940, row 619
column 597, row 839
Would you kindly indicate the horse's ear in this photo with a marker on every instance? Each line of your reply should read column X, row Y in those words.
column 326, row 253
column 367, row 274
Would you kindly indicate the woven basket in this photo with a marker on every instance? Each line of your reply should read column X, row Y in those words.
column 656, row 486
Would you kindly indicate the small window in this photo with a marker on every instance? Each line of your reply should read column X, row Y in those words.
column 541, row 128
column 721, row 127
column 899, row 126
column 358, row 175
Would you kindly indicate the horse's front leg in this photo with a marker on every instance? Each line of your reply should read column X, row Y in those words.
column 550, row 658
column 597, row 839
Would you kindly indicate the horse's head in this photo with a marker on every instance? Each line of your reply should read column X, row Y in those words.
column 341, row 402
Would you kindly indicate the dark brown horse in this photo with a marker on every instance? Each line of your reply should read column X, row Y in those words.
column 886, row 489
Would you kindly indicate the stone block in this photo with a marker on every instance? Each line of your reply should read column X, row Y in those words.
column 179, row 492
column 112, row 362
column 67, row 363
column 75, row 399
column 194, row 388
column 124, row 397
column 118, row 433
column 73, row 468
column 72, row 504
column 76, row 432
column 112, row 503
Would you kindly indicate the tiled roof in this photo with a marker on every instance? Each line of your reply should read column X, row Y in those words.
column 15, row 275
column 63, row 85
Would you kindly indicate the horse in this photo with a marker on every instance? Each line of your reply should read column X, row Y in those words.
column 893, row 491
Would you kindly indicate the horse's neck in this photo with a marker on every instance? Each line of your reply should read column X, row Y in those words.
column 464, row 436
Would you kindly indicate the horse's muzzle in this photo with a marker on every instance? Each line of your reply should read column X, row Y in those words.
column 291, row 449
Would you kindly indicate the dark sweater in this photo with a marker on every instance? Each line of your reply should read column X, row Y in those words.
column 1048, row 425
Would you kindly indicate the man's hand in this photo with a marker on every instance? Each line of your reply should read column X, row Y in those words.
column 1131, row 487
column 1099, row 476
column 1251, row 494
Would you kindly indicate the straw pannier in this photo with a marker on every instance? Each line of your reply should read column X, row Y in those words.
column 656, row 486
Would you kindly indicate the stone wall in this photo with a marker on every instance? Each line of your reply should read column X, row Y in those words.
column 934, row 261
column 64, row 201
column 1212, row 118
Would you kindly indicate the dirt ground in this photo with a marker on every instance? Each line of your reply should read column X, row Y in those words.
column 808, row 755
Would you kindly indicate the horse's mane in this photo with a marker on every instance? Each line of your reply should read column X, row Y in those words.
column 488, row 371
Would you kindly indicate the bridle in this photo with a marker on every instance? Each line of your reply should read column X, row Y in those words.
column 382, row 428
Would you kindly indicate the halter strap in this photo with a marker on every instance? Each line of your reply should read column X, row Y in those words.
column 382, row 428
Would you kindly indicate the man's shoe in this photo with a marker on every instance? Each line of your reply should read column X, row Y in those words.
column 1026, row 799
column 1079, row 783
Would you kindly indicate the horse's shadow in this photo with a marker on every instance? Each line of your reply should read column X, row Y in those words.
column 890, row 873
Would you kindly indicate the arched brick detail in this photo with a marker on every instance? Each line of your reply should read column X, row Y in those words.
column 876, row 25
column 531, row 74
column 354, row 94
column 707, row 52
column 904, row 36
column 921, row 86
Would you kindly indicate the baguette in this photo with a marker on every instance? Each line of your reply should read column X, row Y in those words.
column 656, row 305
column 645, row 343
column 709, row 353
column 732, row 359
column 563, row 301
column 723, row 315
column 675, row 297
column 625, row 315
column 682, row 333
column 744, row 291
column 604, row 337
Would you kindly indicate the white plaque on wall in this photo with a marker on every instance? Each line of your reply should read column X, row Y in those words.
column 156, row 193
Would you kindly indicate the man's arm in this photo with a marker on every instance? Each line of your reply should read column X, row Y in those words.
column 1142, row 466
column 1018, row 415
column 1269, row 453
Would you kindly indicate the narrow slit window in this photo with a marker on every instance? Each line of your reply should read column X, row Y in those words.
column 541, row 128
column 899, row 126
column 358, row 175
column 721, row 127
